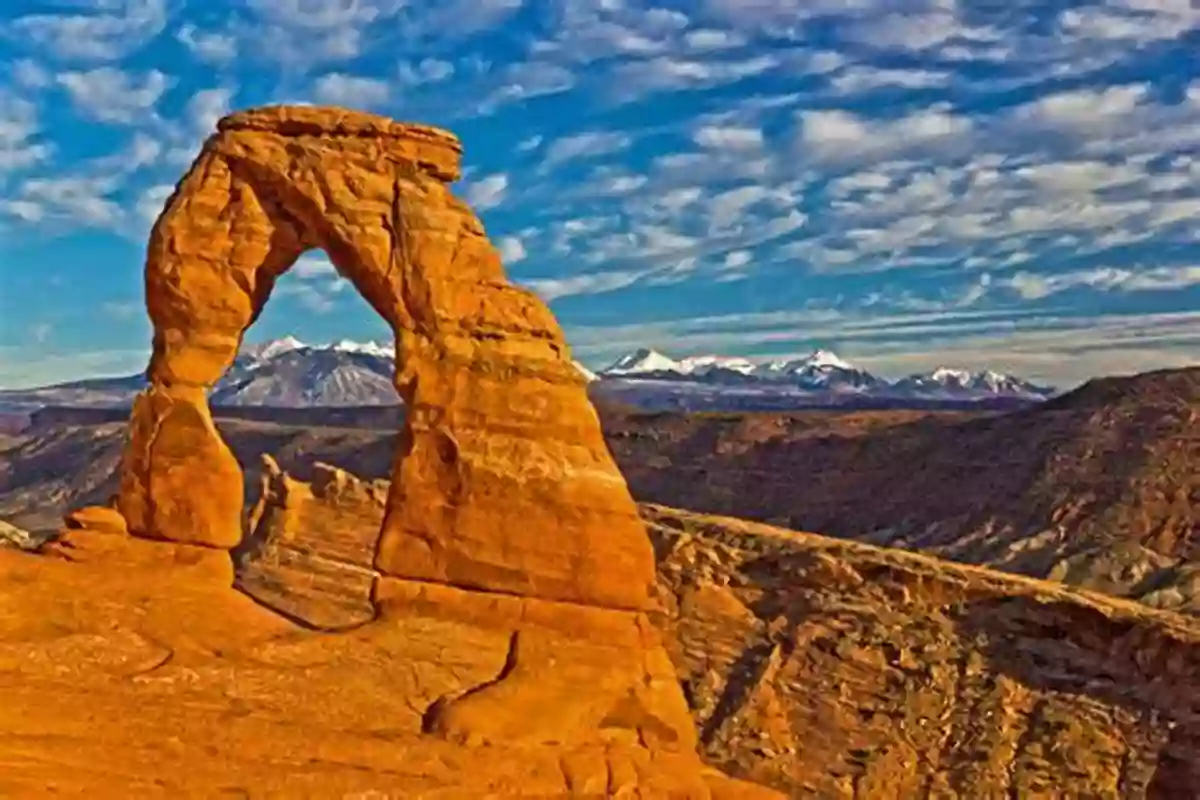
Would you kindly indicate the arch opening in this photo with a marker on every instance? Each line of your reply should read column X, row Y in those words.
column 502, row 480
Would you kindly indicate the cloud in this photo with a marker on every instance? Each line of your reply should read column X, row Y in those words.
column 550, row 289
column 337, row 88
column 112, row 30
column 860, row 78
column 512, row 249
column 314, row 265
column 584, row 145
column 1035, row 286
column 1084, row 108
column 82, row 200
column 487, row 192
column 19, row 128
column 836, row 134
column 636, row 79
column 213, row 48
column 206, row 107
column 151, row 202
column 425, row 71
column 728, row 137
column 108, row 94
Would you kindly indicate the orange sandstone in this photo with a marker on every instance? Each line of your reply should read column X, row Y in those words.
column 503, row 481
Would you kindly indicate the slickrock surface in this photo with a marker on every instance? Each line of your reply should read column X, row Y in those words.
column 130, row 668
column 502, row 451
column 827, row 668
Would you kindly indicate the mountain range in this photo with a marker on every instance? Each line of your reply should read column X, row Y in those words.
column 290, row 373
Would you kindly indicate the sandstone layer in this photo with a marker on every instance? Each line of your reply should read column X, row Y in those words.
column 502, row 480
column 833, row 669
column 131, row 668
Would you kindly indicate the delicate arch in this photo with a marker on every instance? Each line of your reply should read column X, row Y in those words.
column 502, row 480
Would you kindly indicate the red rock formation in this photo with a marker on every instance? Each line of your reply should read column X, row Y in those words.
column 503, row 481
column 511, row 565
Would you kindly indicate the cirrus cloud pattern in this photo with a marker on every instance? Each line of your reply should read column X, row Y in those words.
column 911, row 182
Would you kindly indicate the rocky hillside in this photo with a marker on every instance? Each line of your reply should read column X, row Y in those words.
column 826, row 668
column 1100, row 488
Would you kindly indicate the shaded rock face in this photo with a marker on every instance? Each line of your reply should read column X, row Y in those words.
column 311, row 549
column 503, row 481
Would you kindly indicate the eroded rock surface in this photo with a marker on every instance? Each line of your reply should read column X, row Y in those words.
column 827, row 668
column 130, row 668
column 504, row 482
column 311, row 549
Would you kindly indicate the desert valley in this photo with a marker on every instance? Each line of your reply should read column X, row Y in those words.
column 516, row 578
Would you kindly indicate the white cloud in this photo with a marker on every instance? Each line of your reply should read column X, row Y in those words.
column 595, row 283
column 713, row 39
column 214, row 48
column 840, row 135
column 29, row 74
column 82, row 200
column 530, row 144
column 512, row 249
column 584, row 145
column 112, row 30
column 425, row 71
column 634, row 79
column 108, row 94
column 151, row 202
column 1035, row 286
column 337, row 88
column 314, row 265
column 860, row 78
column 206, row 107
column 728, row 137
column 18, row 131
column 737, row 258
column 1084, row 108
column 487, row 192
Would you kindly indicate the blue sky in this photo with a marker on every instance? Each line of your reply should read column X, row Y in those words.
column 909, row 182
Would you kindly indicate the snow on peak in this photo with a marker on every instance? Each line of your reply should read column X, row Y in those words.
column 829, row 359
column 696, row 365
column 818, row 361
column 377, row 349
column 644, row 360
column 947, row 375
column 274, row 347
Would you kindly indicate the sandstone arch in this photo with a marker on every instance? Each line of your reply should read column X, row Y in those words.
column 502, row 482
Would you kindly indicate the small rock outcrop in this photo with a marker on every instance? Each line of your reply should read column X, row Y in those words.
column 12, row 536
column 310, row 552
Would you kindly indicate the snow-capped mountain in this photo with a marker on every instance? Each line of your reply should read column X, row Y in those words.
column 288, row 372
column 822, row 372
column 958, row 382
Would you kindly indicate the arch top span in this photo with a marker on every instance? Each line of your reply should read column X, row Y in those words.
column 502, row 481
column 437, row 148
